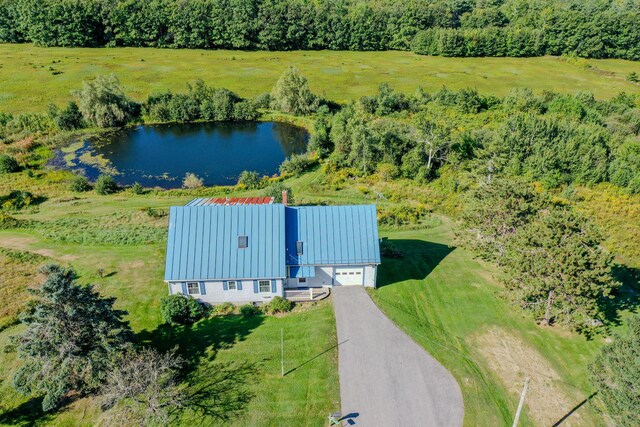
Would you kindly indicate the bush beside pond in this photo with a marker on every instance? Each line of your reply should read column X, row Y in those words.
column 8, row 164
column 105, row 184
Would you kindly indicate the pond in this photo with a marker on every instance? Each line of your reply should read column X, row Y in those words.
column 160, row 156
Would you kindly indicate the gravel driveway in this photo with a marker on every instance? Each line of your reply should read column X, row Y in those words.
column 386, row 379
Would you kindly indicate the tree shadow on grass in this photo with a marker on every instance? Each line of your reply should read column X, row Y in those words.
column 216, row 391
column 201, row 341
column 29, row 413
column 415, row 261
column 219, row 392
column 625, row 298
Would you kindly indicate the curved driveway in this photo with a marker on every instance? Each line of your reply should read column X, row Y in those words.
column 386, row 379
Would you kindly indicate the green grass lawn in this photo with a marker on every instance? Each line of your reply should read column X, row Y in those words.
column 451, row 305
column 29, row 82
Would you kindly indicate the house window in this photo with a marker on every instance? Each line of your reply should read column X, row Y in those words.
column 299, row 248
column 302, row 280
column 264, row 285
column 243, row 242
column 193, row 288
column 233, row 286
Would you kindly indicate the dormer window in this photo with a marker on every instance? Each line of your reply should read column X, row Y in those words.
column 299, row 248
column 243, row 242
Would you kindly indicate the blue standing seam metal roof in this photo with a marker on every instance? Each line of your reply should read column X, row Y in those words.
column 302, row 271
column 203, row 242
column 332, row 235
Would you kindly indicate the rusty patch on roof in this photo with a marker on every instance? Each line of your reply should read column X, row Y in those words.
column 231, row 201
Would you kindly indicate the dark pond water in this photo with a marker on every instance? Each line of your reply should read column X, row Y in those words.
column 162, row 155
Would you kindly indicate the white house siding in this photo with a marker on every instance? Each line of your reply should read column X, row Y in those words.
column 324, row 277
column 369, row 279
column 215, row 293
column 370, row 276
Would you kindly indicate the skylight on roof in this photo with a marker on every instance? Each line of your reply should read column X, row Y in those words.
column 243, row 242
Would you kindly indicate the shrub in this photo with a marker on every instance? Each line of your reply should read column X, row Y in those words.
column 276, row 189
column 8, row 222
column 155, row 212
column 29, row 122
column 250, row 179
column 136, row 188
column 633, row 77
column 249, row 310
column 224, row 308
column 105, row 184
column 400, row 215
column 181, row 310
column 218, row 104
column 183, row 108
column 297, row 164
column 278, row 305
column 68, row 119
column 192, row 181
column 388, row 171
column 16, row 200
column 8, row 164
column 261, row 101
column 244, row 111
column 79, row 184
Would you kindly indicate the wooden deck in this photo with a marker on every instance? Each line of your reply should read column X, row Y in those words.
column 307, row 294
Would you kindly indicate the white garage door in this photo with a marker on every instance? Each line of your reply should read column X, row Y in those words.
column 349, row 276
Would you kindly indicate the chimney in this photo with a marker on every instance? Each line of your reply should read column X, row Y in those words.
column 285, row 197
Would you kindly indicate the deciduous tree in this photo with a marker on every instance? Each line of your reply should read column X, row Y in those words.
column 291, row 94
column 103, row 102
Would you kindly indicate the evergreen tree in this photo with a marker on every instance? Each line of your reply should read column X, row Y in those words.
column 556, row 269
column 615, row 373
column 72, row 335
column 494, row 212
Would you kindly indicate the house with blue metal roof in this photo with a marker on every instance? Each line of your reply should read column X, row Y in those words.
column 251, row 253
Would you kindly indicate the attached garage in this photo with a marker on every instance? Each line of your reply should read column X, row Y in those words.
column 347, row 276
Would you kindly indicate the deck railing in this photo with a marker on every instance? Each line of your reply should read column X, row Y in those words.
column 306, row 294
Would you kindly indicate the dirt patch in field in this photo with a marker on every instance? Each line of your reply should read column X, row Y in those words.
column 513, row 360
column 24, row 244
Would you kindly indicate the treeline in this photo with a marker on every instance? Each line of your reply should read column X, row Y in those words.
column 552, row 138
column 597, row 29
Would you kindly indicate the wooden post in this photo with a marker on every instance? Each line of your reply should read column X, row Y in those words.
column 524, row 393
column 282, row 350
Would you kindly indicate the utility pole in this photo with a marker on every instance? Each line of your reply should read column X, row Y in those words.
column 524, row 393
column 282, row 350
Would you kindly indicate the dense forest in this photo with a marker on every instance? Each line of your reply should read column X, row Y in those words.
column 596, row 29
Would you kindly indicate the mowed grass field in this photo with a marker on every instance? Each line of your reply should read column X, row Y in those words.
column 450, row 303
column 32, row 77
